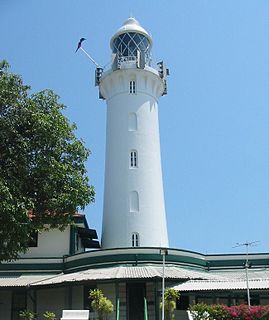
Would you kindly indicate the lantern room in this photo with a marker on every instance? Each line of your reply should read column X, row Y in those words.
column 131, row 43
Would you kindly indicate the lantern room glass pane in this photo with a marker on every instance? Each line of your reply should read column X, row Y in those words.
column 129, row 43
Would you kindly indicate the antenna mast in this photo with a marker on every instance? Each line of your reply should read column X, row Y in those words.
column 247, row 244
column 92, row 60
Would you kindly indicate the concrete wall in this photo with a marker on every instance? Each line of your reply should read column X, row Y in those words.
column 53, row 243
column 150, row 295
column 77, row 297
column 54, row 300
column 123, row 301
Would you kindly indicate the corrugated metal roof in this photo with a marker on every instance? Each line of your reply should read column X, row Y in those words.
column 129, row 272
column 195, row 279
column 262, row 273
column 22, row 280
column 213, row 285
column 229, row 280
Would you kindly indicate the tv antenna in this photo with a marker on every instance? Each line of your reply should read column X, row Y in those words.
column 247, row 244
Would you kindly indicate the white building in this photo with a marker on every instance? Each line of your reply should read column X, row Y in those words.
column 134, row 211
column 58, row 271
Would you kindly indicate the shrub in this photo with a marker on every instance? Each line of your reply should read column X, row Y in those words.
column 27, row 315
column 102, row 305
column 49, row 315
column 170, row 297
column 203, row 311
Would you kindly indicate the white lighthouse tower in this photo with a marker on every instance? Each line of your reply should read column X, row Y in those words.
column 134, row 210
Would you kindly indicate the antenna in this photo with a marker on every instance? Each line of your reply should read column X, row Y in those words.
column 92, row 60
column 247, row 244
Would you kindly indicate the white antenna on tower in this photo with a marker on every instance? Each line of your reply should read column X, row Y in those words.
column 247, row 244
column 79, row 46
column 92, row 60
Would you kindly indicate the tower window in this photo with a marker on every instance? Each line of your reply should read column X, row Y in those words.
column 132, row 86
column 135, row 239
column 134, row 201
column 133, row 159
column 132, row 122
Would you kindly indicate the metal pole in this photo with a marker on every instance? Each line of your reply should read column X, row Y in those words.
column 96, row 64
column 163, row 252
column 247, row 244
column 247, row 265
column 163, row 284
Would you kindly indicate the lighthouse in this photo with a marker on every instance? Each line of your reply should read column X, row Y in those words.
column 134, row 208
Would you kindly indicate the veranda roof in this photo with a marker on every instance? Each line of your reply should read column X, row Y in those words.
column 128, row 272
column 231, row 280
column 193, row 280
column 215, row 285
column 22, row 280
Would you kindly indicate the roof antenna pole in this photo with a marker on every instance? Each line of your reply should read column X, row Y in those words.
column 247, row 245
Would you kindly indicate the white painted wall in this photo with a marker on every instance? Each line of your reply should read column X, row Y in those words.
column 120, row 180
column 52, row 243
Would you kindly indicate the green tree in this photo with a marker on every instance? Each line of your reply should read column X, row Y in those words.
column 43, row 179
column 170, row 297
column 100, row 304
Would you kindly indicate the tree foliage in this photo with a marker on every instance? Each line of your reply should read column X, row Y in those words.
column 100, row 304
column 42, row 164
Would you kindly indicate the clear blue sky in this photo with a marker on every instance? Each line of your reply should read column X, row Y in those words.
column 214, row 122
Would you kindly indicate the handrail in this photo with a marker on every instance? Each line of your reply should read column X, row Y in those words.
column 118, row 310
column 145, row 309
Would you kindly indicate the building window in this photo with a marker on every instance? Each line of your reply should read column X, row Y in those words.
column 134, row 201
column 132, row 86
column 132, row 122
column 133, row 159
column 33, row 240
column 135, row 239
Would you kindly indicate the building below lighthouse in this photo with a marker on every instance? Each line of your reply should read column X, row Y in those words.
column 60, row 268
column 134, row 209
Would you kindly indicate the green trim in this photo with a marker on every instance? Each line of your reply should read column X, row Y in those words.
column 131, row 256
column 136, row 259
column 118, row 309
column 72, row 240
column 237, row 263
column 145, row 309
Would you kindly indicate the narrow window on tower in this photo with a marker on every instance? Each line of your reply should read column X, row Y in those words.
column 132, row 122
column 134, row 201
column 135, row 239
column 133, row 159
column 132, row 86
